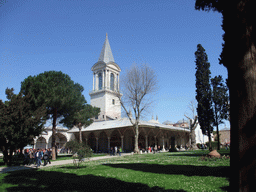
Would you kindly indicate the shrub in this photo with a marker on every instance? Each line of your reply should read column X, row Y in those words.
column 214, row 144
column 79, row 151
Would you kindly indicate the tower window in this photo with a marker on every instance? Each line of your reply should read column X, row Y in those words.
column 113, row 101
column 112, row 80
column 100, row 81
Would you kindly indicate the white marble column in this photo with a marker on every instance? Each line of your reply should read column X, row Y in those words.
column 96, row 82
column 115, row 81
column 122, row 142
column 93, row 88
column 118, row 82
column 163, row 144
column 103, row 79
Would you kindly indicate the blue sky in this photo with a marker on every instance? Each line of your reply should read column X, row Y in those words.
column 67, row 36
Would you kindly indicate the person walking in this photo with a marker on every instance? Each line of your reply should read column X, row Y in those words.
column 45, row 157
column 119, row 151
column 38, row 156
column 49, row 155
column 30, row 153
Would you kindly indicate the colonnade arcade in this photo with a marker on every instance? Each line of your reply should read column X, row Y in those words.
column 43, row 142
column 102, row 141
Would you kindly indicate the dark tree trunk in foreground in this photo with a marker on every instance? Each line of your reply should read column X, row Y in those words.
column 238, row 55
column 54, row 148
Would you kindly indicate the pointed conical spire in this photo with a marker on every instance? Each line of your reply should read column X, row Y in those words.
column 106, row 53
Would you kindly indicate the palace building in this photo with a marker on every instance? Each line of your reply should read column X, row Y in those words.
column 109, row 128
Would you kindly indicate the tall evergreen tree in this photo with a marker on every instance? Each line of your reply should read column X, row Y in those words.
column 59, row 93
column 203, row 92
column 20, row 122
column 220, row 103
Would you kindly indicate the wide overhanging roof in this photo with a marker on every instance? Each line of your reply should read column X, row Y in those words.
column 124, row 122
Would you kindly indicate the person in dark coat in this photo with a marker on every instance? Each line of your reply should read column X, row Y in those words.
column 49, row 153
column 45, row 157
column 38, row 157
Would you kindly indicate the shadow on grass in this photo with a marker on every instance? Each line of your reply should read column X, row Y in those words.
column 187, row 170
column 197, row 153
column 34, row 180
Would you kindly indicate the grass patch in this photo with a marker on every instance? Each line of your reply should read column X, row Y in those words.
column 180, row 171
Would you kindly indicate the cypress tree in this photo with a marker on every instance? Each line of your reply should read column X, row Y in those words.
column 203, row 92
column 220, row 103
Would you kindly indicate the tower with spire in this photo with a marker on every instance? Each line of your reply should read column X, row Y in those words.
column 105, row 90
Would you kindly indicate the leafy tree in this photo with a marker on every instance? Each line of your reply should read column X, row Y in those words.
column 20, row 122
column 238, row 56
column 81, row 118
column 220, row 101
column 203, row 92
column 58, row 92
column 139, row 84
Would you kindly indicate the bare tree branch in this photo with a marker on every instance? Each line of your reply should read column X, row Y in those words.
column 138, row 84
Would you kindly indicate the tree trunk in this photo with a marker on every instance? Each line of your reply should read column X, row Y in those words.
column 193, row 139
column 6, row 158
column 243, row 121
column 239, row 56
column 218, row 137
column 210, row 141
column 80, row 134
column 54, row 150
column 136, row 144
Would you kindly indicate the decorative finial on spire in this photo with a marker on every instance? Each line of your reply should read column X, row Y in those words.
column 152, row 117
column 106, row 35
column 157, row 118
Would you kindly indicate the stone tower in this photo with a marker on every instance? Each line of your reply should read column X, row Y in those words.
column 105, row 91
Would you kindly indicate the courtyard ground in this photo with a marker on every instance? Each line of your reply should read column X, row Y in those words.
column 180, row 171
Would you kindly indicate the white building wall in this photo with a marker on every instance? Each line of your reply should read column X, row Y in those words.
column 200, row 138
column 113, row 110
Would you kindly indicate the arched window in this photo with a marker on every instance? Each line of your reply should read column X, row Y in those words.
column 100, row 81
column 112, row 80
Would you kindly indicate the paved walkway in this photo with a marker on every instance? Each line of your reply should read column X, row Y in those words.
column 54, row 163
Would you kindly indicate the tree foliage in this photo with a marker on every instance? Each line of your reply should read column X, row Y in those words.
column 20, row 122
column 139, row 84
column 81, row 118
column 203, row 92
column 220, row 100
column 58, row 92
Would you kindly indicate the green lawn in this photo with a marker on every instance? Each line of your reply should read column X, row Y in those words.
column 180, row 171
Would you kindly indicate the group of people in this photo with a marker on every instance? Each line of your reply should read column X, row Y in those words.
column 115, row 150
column 35, row 156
